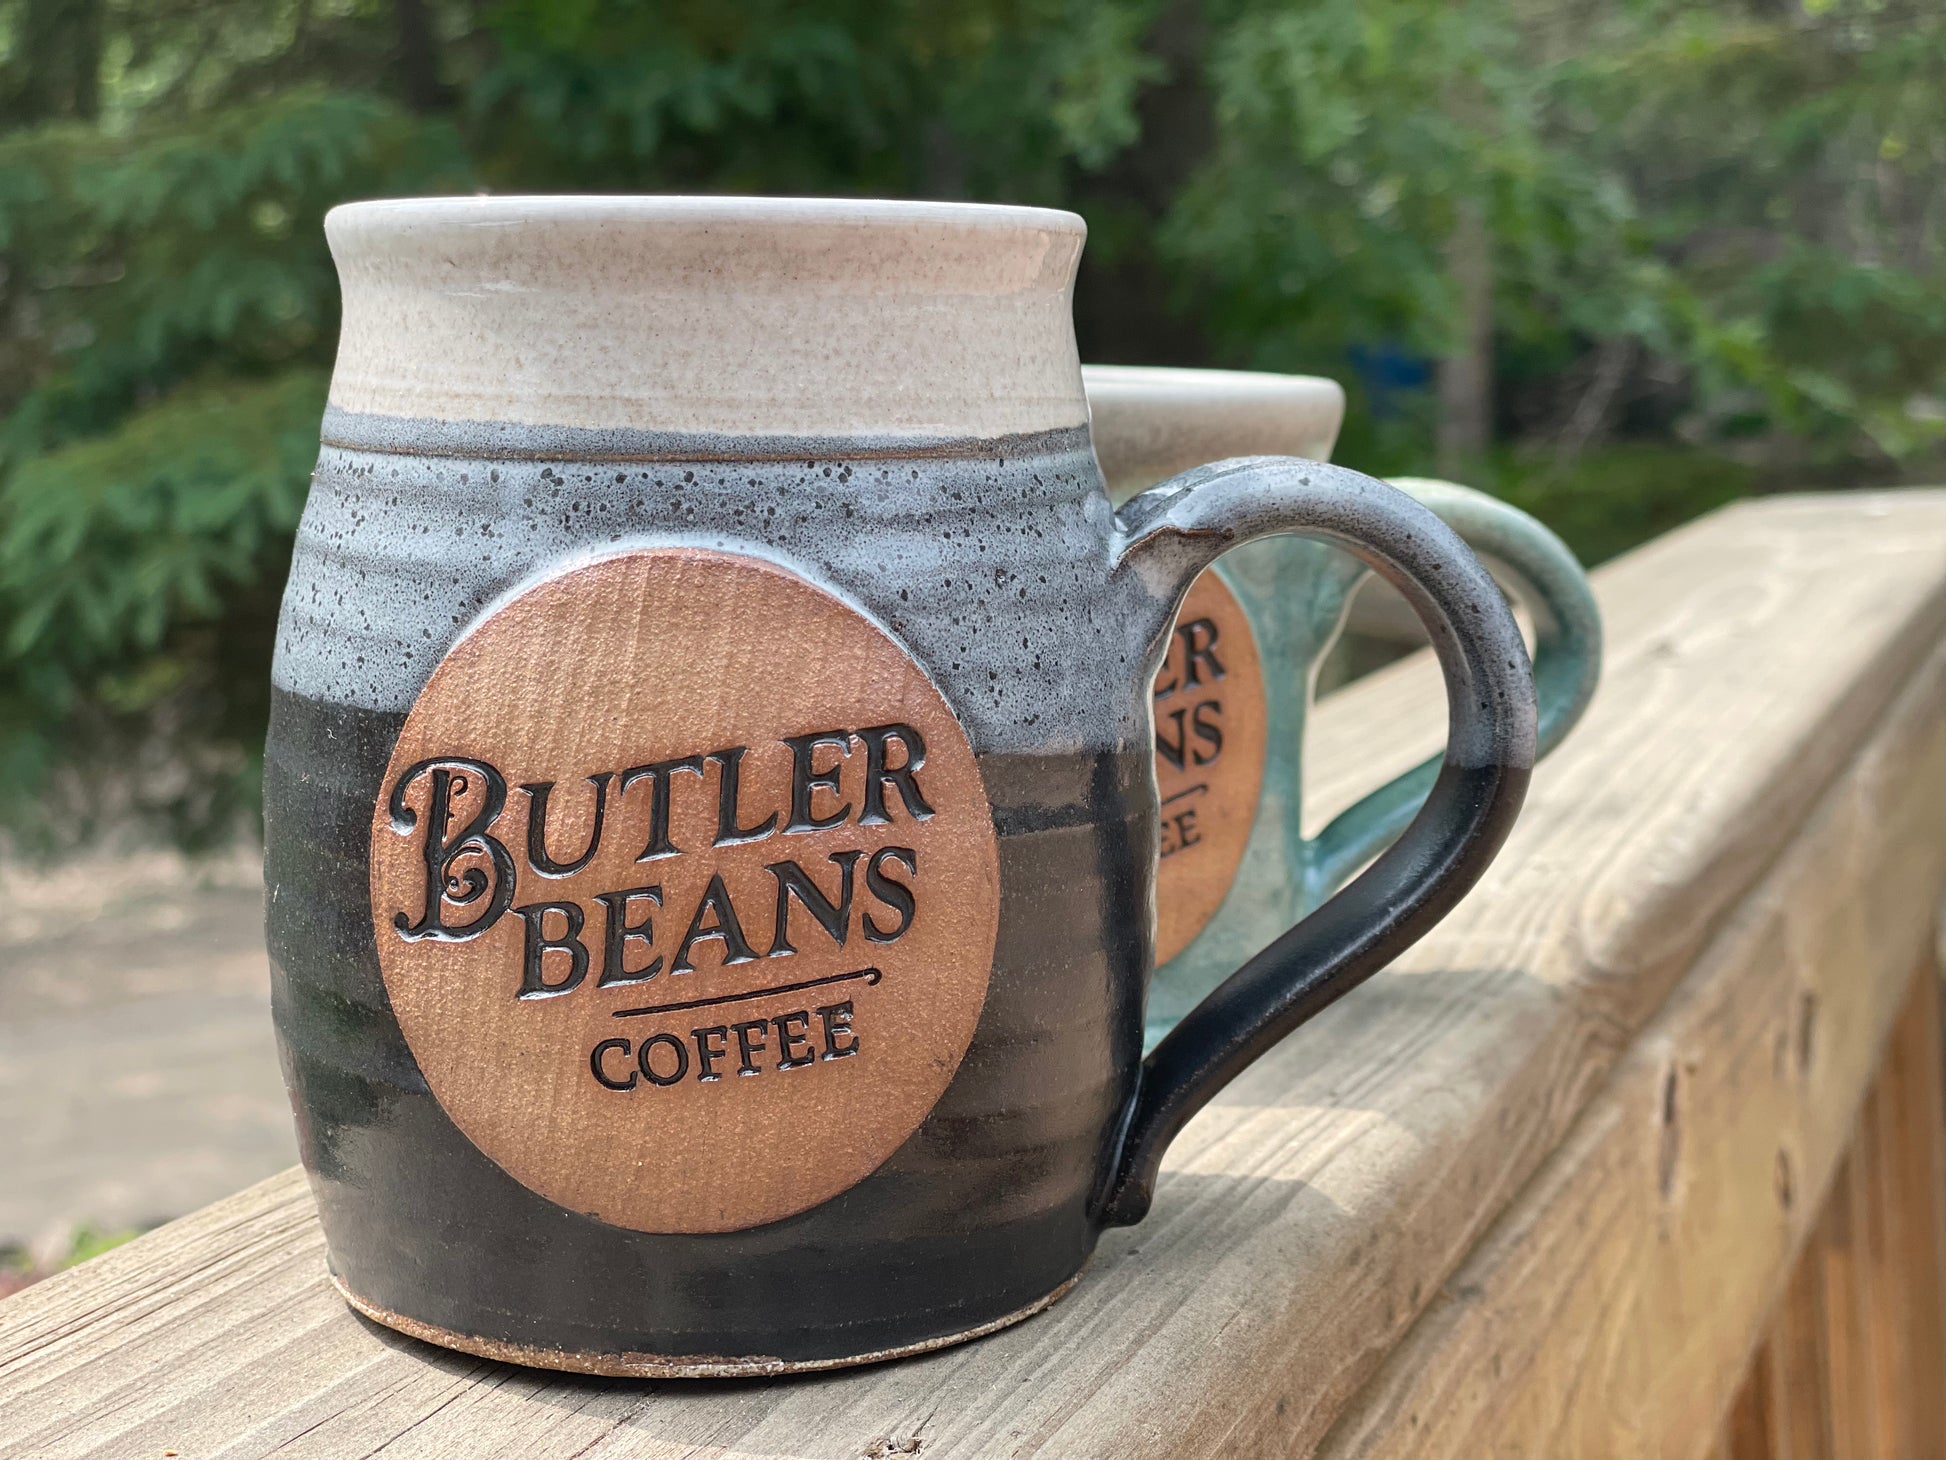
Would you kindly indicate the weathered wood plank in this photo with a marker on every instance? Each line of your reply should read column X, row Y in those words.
column 1305, row 1219
column 1747, row 1432
column 1882, row 1315
column 1847, row 1341
column 1777, row 1415
column 1796, row 1356
column 1785, row 1410
column 1913, row 1087
column 1908, row 1194
column 1880, row 1248
column 1613, row 1308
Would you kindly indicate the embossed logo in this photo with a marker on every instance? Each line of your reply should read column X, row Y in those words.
column 1209, row 759
column 685, row 888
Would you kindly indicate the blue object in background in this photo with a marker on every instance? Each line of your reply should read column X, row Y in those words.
column 1389, row 374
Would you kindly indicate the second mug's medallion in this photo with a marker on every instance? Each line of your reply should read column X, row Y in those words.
column 685, row 889
column 1209, row 759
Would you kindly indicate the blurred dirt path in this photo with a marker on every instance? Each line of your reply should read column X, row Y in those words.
column 138, row 1076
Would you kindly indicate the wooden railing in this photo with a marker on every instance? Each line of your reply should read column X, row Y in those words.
column 1852, row 1360
column 1639, row 1155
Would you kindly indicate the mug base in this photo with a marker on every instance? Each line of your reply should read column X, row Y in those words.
column 632, row 1365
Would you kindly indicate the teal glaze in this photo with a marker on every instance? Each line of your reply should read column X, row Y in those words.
column 1296, row 593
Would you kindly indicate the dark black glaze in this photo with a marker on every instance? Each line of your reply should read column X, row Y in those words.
column 990, row 556
column 1042, row 620
column 1171, row 533
column 980, row 1213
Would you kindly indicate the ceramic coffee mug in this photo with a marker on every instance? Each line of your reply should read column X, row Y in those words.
column 1235, row 688
column 710, row 798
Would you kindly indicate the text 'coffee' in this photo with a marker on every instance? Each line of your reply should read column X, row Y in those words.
column 678, row 853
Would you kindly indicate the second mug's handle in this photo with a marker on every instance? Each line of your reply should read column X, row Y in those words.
column 1543, row 575
column 1169, row 534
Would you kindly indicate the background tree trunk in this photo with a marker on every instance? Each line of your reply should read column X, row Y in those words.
column 1466, row 375
column 418, row 62
column 56, row 66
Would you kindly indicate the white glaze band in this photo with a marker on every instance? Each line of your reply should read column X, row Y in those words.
column 1153, row 422
column 731, row 315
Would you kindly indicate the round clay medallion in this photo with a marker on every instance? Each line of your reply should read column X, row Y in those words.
column 685, row 889
column 1209, row 759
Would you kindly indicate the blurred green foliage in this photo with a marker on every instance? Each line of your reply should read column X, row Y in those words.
column 1712, row 233
column 20, row 1268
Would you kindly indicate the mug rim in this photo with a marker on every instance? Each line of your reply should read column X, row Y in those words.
column 1151, row 422
column 1181, row 381
column 504, row 210
column 728, row 316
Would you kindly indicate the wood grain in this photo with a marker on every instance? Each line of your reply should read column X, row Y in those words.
column 1848, row 1342
column 1912, row 1100
column 1747, row 1432
column 1613, row 1309
column 1319, row 1206
column 1796, row 1352
column 1893, row 1178
column 1877, row 1264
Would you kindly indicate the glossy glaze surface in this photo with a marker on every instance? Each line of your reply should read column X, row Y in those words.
column 984, row 1209
column 770, row 316
column 961, row 517
column 1295, row 594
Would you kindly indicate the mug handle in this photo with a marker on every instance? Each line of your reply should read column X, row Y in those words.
column 1543, row 575
column 1164, row 538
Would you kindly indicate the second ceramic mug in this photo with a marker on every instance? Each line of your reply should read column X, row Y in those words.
column 1235, row 690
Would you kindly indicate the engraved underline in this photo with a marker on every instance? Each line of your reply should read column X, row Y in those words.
column 870, row 975
column 1195, row 790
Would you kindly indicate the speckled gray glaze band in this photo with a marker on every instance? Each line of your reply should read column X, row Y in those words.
column 499, row 440
column 965, row 516
column 430, row 540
